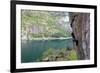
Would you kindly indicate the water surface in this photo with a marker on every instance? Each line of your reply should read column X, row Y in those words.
column 32, row 50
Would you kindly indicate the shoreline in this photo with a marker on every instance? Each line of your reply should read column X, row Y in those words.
column 61, row 38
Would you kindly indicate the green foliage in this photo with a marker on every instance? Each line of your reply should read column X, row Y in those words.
column 73, row 55
column 46, row 19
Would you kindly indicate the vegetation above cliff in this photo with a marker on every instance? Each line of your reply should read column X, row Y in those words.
column 44, row 24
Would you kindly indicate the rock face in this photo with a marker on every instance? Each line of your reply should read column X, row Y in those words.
column 80, row 23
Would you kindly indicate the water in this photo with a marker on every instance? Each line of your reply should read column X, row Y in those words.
column 33, row 49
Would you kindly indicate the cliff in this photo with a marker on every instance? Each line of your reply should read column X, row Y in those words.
column 80, row 23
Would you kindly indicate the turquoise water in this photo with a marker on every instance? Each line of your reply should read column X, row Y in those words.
column 33, row 49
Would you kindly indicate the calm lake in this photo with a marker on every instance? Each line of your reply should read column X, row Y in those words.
column 33, row 49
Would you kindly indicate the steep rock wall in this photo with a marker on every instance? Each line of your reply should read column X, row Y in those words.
column 80, row 23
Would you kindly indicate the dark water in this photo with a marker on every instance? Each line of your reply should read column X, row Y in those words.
column 33, row 49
